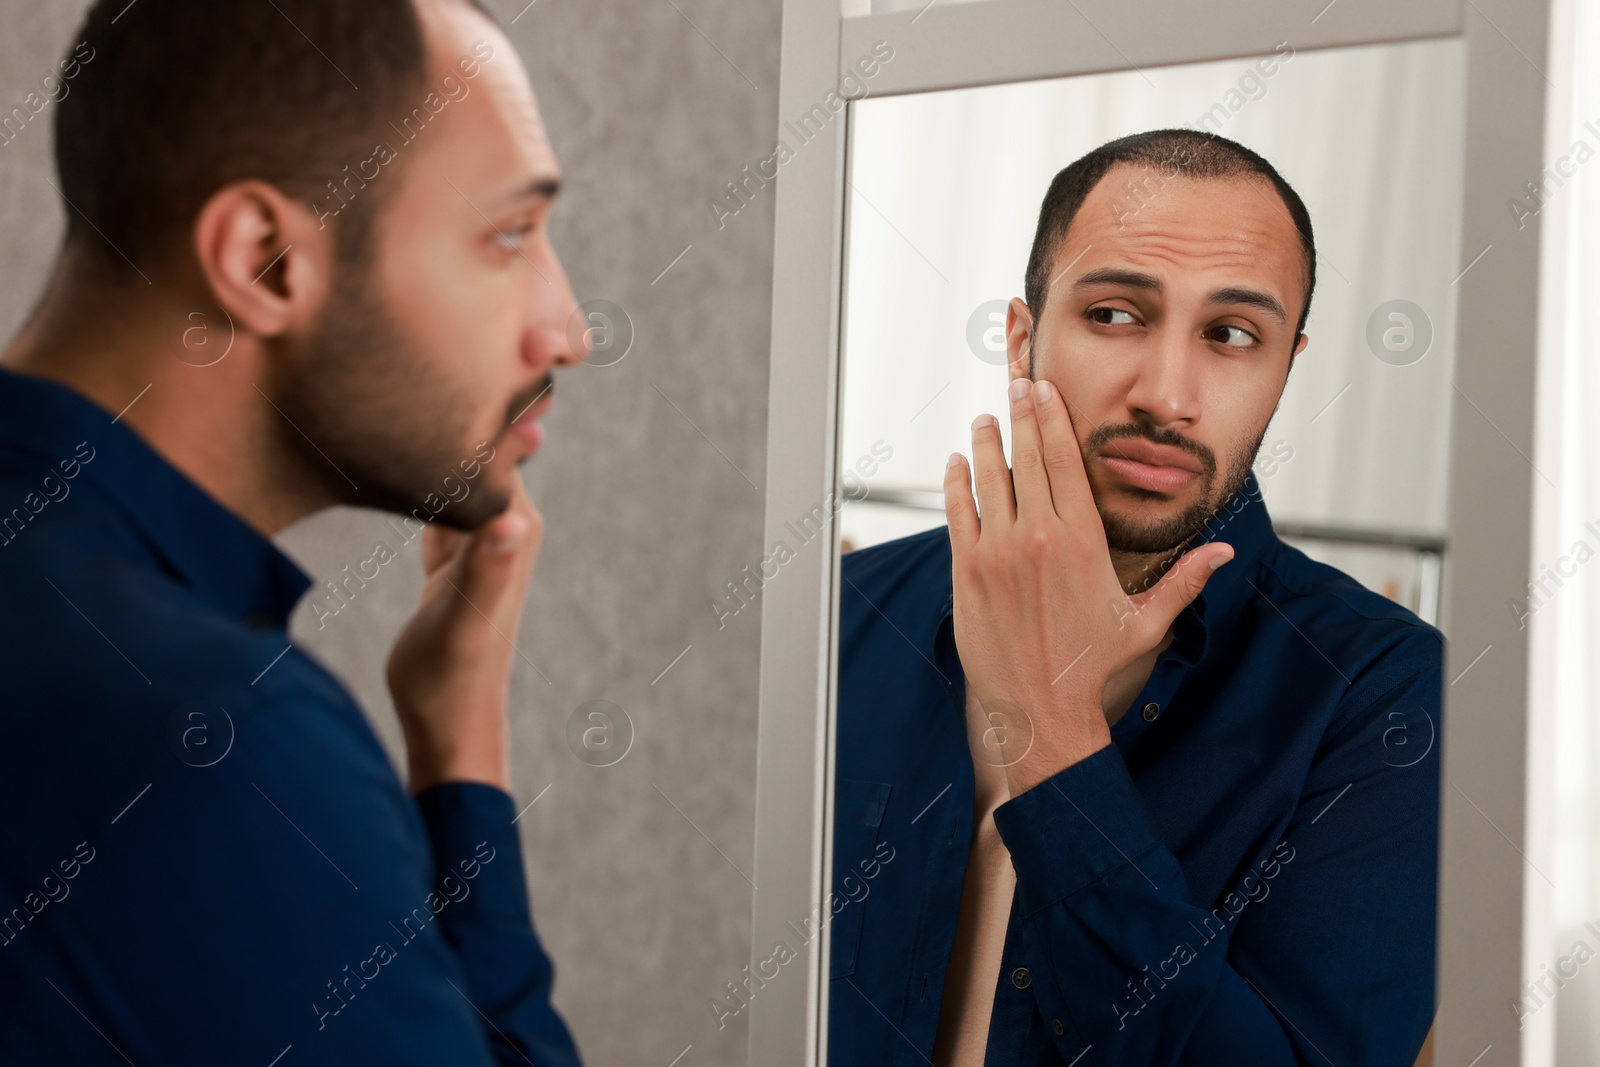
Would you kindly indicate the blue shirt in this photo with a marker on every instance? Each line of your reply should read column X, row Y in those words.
column 1246, row 874
column 206, row 855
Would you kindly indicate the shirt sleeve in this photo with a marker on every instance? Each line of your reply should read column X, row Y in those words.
column 1323, row 949
column 282, row 899
column 509, row 976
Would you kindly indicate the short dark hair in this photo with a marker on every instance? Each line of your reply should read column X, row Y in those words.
column 182, row 97
column 1177, row 153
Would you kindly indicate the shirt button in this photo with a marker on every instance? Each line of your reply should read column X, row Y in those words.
column 1055, row 1024
column 1020, row 978
column 1151, row 710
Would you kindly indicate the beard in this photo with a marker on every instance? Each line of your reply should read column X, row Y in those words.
column 374, row 422
column 1166, row 536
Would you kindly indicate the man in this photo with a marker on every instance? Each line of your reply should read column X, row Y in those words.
column 1155, row 787
column 306, row 265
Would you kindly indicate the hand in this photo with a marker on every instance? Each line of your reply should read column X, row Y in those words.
column 1041, row 619
column 450, row 669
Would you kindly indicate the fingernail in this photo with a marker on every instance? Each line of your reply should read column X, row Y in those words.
column 509, row 535
column 953, row 461
column 981, row 421
column 1019, row 388
column 1042, row 392
column 1217, row 561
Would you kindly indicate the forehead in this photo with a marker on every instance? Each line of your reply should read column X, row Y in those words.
column 1213, row 230
column 493, row 130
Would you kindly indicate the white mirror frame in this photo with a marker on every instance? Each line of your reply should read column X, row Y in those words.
column 1494, row 908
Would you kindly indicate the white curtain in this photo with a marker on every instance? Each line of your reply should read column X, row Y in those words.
column 1564, row 690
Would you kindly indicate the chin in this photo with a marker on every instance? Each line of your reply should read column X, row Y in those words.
column 1135, row 504
column 1157, row 526
column 482, row 501
column 487, row 502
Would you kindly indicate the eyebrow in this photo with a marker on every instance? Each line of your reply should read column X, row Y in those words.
column 543, row 187
column 1251, row 298
column 1134, row 279
column 1128, row 279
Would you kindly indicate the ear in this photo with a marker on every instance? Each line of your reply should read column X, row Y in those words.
column 265, row 258
column 1019, row 339
column 1299, row 347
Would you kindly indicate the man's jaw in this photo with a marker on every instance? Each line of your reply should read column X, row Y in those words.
column 1143, row 523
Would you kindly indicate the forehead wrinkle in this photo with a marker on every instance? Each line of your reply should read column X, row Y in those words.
column 1241, row 235
column 1164, row 217
column 1246, row 257
column 1243, row 268
column 1207, row 252
column 1259, row 249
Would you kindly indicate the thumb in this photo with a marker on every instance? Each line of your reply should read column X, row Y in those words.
column 1183, row 582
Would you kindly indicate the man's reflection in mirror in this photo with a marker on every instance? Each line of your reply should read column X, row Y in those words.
column 1157, row 787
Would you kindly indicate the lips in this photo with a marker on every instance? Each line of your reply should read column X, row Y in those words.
column 1153, row 467
column 528, row 426
column 1153, row 455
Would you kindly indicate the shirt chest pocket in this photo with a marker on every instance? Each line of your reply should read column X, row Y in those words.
column 858, row 809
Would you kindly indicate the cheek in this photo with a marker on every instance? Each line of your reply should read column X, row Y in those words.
column 455, row 313
column 1242, row 393
column 1236, row 409
column 1093, row 374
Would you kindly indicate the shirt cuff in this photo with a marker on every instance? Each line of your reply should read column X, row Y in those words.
column 477, row 855
column 1075, row 828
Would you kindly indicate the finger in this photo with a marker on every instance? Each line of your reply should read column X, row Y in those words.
column 989, row 472
column 490, row 564
column 1176, row 590
column 492, row 567
column 960, row 510
column 1063, row 459
column 1029, row 481
column 440, row 545
column 529, row 550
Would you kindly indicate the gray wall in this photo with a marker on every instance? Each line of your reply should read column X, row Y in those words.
column 648, row 486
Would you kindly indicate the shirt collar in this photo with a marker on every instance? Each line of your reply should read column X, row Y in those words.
column 1242, row 523
column 227, row 563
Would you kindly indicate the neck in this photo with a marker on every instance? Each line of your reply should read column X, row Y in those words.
column 107, row 339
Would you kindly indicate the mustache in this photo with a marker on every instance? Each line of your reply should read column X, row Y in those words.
column 529, row 397
column 1106, row 435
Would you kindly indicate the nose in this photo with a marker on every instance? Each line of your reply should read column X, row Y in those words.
column 575, row 328
column 1164, row 392
column 558, row 335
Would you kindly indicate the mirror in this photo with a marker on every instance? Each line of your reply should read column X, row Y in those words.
column 1243, row 795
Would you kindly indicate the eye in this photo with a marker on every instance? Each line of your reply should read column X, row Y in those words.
column 510, row 237
column 1234, row 336
column 1109, row 316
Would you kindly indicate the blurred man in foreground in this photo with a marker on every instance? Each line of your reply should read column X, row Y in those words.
column 306, row 265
